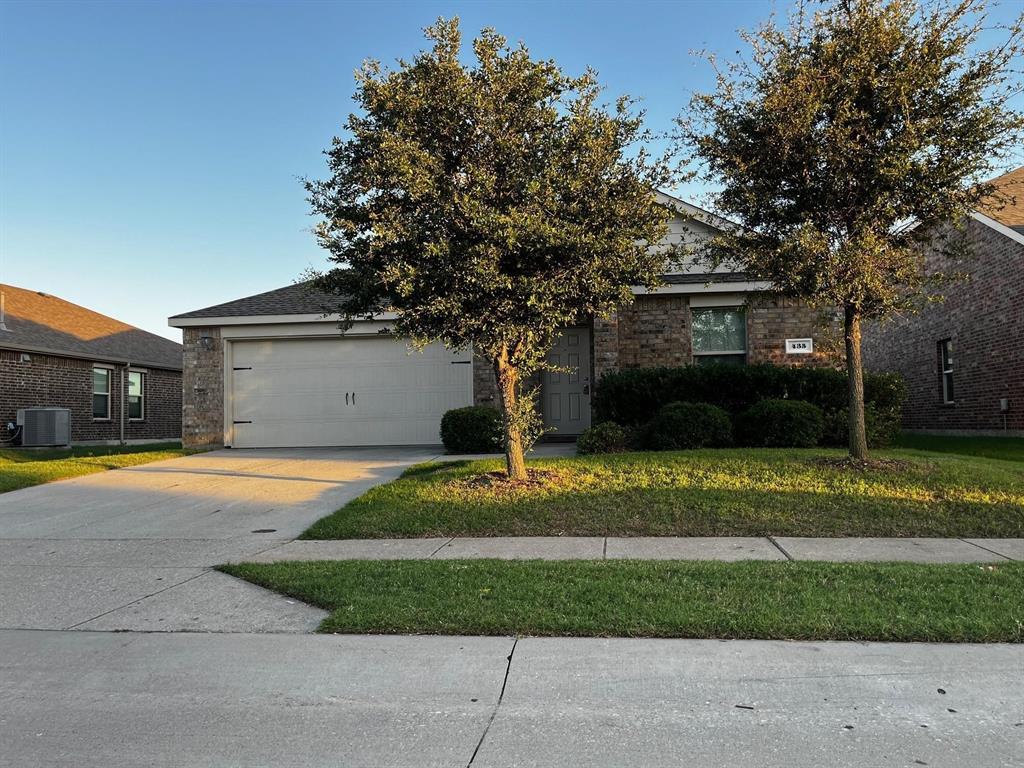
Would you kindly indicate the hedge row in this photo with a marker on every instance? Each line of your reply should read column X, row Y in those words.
column 681, row 426
column 633, row 396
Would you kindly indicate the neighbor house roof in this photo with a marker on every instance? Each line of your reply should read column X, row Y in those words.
column 1008, row 207
column 298, row 299
column 34, row 321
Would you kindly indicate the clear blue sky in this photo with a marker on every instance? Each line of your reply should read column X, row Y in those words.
column 149, row 152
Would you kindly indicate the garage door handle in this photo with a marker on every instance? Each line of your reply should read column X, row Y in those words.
column 353, row 398
column 346, row 398
column 461, row 362
column 241, row 422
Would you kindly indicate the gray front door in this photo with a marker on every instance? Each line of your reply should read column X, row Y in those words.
column 566, row 393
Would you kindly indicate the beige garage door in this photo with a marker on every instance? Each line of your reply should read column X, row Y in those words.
column 359, row 391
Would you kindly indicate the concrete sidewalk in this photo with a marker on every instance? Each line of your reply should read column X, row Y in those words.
column 915, row 550
column 108, row 699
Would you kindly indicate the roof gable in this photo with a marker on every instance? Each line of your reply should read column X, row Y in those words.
column 303, row 299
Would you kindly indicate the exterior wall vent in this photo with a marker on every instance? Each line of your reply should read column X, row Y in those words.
column 44, row 426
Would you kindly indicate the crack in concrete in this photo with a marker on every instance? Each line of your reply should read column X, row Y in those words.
column 501, row 695
column 779, row 547
column 431, row 555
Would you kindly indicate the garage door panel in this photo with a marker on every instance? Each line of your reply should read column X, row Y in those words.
column 293, row 392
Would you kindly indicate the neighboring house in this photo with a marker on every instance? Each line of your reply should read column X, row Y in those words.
column 272, row 370
column 963, row 358
column 120, row 383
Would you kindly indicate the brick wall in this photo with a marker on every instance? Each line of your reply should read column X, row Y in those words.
column 655, row 331
column 984, row 317
column 203, row 388
column 485, row 385
column 773, row 319
column 651, row 331
column 62, row 382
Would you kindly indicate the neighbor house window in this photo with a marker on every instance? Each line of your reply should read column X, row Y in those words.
column 719, row 335
column 946, row 369
column 136, row 395
column 101, row 393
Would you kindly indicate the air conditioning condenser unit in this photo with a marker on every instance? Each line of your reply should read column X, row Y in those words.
column 44, row 426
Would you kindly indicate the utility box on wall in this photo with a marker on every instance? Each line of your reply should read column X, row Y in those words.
column 42, row 427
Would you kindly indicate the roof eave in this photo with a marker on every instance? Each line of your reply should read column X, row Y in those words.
column 37, row 350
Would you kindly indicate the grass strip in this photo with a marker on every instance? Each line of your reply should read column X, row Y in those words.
column 1005, row 448
column 729, row 492
column 21, row 468
column 763, row 600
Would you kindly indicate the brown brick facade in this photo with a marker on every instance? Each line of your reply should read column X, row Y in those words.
column 984, row 317
column 30, row 379
column 202, row 417
column 485, row 386
column 773, row 319
column 654, row 330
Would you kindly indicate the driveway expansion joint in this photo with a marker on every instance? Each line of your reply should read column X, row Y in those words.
column 139, row 600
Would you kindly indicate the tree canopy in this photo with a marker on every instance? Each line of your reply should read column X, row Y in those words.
column 842, row 142
column 489, row 205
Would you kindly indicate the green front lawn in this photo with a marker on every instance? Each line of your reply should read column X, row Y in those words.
column 1007, row 448
column 736, row 492
column 769, row 600
column 21, row 468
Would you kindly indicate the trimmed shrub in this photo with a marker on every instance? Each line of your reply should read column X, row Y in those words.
column 606, row 437
column 679, row 426
column 632, row 397
column 781, row 424
column 473, row 429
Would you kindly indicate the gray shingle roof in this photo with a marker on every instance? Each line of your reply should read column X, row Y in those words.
column 38, row 322
column 298, row 299
column 302, row 299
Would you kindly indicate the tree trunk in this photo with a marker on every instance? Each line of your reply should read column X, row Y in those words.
column 508, row 387
column 855, row 377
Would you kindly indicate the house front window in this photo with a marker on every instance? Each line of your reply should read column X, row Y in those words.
column 136, row 395
column 101, row 393
column 946, row 369
column 719, row 335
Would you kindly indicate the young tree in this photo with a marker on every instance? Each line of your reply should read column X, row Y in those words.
column 488, row 206
column 840, row 134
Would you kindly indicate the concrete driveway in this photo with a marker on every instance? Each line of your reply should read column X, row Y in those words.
column 132, row 549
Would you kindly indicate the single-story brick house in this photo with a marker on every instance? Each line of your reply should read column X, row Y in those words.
column 963, row 358
column 272, row 370
column 120, row 383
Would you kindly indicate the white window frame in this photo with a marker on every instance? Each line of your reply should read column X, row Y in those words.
column 110, row 378
column 142, row 395
column 726, row 352
column 946, row 368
